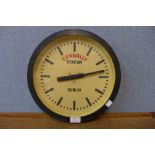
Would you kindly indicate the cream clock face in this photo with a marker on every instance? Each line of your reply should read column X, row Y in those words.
column 74, row 75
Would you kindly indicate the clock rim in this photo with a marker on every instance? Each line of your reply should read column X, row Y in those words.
column 69, row 32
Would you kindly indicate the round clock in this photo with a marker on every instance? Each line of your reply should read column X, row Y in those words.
column 74, row 75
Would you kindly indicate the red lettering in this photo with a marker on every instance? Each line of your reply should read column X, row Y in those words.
column 74, row 55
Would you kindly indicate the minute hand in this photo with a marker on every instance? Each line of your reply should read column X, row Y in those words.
column 77, row 76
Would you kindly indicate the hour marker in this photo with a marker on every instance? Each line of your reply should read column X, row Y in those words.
column 100, row 62
column 59, row 100
column 88, row 101
column 49, row 90
column 49, row 61
column 45, row 76
column 103, row 76
column 74, row 105
column 99, row 91
column 60, row 51
column 74, row 46
column 90, row 49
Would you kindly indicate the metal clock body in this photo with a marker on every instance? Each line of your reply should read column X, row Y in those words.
column 74, row 75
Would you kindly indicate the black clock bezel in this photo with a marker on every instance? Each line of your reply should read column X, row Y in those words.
column 70, row 32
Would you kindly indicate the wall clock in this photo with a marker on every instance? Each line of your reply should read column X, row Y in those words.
column 74, row 75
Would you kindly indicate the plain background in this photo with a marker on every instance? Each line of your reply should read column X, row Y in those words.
column 134, row 47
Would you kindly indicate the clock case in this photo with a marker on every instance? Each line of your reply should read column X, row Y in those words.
column 73, row 32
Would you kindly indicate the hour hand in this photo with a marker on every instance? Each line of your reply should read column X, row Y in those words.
column 77, row 76
column 70, row 77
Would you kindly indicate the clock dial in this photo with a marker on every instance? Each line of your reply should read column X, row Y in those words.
column 72, row 75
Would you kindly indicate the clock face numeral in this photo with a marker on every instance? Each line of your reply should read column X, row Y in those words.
column 60, row 51
column 49, row 61
column 74, row 46
column 88, row 101
column 74, row 76
column 100, row 62
column 103, row 76
column 99, row 91
column 45, row 76
column 51, row 89
column 90, row 49
column 60, row 100
column 74, row 105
